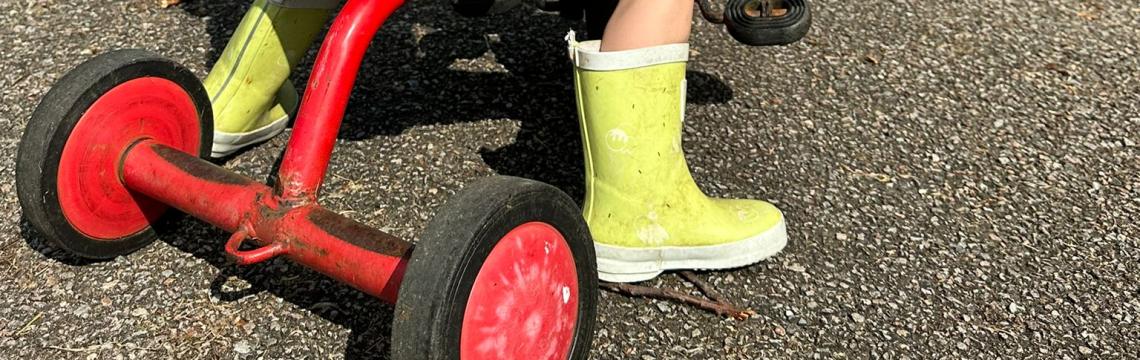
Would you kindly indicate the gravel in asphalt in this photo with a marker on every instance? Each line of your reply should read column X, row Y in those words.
column 961, row 180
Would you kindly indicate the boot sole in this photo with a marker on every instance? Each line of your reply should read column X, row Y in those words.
column 229, row 143
column 624, row 264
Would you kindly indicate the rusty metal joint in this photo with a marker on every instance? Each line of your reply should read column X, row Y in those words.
column 248, row 257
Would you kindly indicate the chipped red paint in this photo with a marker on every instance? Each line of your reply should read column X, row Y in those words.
column 524, row 302
column 160, row 173
column 203, row 169
column 322, row 108
column 369, row 260
column 357, row 234
column 245, row 257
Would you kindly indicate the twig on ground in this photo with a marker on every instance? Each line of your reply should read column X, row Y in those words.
column 97, row 346
column 28, row 325
column 705, row 288
column 720, row 308
column 83, row 349
column 136, row 347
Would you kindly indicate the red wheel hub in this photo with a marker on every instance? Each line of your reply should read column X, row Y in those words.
column 524, row 302
column 91, row 194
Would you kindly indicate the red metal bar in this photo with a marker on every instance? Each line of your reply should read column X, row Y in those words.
column 360, row 256
column 211, row 193
column 356, row 254
column 314, row 133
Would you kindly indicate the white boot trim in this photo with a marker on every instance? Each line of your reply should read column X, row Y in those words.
column 227, row 143
column 626, row 264
column 587, row 55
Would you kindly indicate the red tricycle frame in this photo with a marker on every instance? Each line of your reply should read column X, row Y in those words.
column 285, row 220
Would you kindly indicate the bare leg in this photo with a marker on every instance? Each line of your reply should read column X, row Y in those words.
column 637, row 24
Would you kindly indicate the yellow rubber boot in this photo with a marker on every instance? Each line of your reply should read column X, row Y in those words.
column 249, row 86
column 646, row 213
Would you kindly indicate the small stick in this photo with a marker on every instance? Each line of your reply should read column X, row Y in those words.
column 705, row 288
column 723, row 309
column 136, row 347
column 28, row 325
column 85, row 349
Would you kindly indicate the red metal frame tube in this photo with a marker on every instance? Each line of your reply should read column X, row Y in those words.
column 314, row 133
column 356, row 254
column 197, row 187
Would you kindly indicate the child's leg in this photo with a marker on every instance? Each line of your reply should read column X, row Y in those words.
column 249, row 85
column 637, row 24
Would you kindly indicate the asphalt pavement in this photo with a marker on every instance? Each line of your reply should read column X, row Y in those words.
column 961, row 179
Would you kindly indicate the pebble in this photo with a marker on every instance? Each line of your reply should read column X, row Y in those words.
column 241, row 347
column 1014, row 308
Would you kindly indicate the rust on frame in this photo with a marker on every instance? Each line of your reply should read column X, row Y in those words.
column 200, row 168
column 358, row 234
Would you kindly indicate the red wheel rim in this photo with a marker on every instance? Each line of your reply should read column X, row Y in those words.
column 524, row 302
column 91, row 194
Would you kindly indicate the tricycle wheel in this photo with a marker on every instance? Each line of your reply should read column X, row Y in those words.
column 505, row 270
column 67, row 166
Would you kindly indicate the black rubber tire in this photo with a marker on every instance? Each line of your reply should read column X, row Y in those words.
column 37, row 160
column 439, row 277
column 767, row 31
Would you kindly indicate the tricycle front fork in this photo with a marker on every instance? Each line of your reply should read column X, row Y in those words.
column 286, row 220
column 326, row 97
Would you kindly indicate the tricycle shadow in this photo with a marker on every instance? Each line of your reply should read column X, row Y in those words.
column 367, row 318
column 450, row 69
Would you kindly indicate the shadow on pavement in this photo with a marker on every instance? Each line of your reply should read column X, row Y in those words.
column 37, row 242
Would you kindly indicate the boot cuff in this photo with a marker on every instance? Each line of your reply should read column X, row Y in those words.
column 588, row 56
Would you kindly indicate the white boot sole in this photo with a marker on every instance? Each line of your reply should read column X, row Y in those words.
column 624, row 264
column 229, row 143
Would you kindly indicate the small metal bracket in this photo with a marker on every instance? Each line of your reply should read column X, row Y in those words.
column 247, row 257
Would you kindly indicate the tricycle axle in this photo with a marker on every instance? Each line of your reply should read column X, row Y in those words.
column 365, row 258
